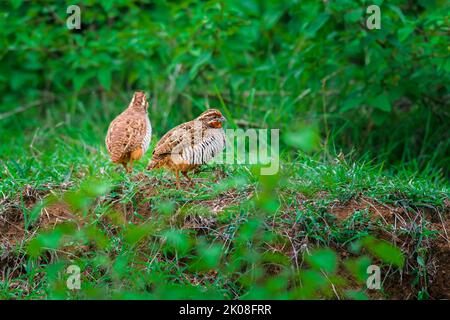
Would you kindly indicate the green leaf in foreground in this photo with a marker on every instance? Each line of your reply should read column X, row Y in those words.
column 50, row 240
column 384, row 251
column 358, row 267
column 323, row 259
column 134, row 233
column 177, row 240
column 208, row 258
column 356, row 295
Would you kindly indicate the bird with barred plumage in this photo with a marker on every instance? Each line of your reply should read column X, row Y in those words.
column 189, row 145
column 129, row 134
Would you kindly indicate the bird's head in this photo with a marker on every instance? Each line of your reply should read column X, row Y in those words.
column 139, row 101
column 213, row 118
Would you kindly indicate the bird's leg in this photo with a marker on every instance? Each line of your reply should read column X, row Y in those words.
column 187, row 177
column 177, row 173
column 125, row 166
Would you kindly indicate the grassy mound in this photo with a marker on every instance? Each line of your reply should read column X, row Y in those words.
column 309, row 232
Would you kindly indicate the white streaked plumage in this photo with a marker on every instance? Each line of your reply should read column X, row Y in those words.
column 147, row 137
column 190, row 144
column 202, row 152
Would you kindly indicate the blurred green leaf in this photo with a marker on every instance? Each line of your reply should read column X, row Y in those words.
column 358, row 267
column 177, row 240
column 209, row 256
column 135, row 233
column 356, row 295
column 199, row 62
column 323, row 259
column 317, row 23
column 384, row 251
column 354, row 15
column 50, row 239
column 166, row 207
column 307, row 139
column 105, row 78
column 381, row 102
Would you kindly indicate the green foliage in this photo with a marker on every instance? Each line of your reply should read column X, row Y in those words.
column 50, row 240
column 384, row 251
column 378, row 98
column 155, row 260
column 324, row 259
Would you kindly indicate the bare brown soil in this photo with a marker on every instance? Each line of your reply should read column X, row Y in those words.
column 438, row 262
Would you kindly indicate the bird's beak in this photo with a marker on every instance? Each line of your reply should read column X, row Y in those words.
column 223, row 119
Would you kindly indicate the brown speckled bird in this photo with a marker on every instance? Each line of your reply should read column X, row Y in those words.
column 190, row 144
column 129, row 133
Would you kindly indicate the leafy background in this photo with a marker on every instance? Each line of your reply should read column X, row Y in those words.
column 276, row 64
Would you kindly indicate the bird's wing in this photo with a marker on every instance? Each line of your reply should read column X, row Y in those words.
column 173, row 138
column 125, row 134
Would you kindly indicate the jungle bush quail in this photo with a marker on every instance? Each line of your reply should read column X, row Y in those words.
column 190, row 144
column 129, row 133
